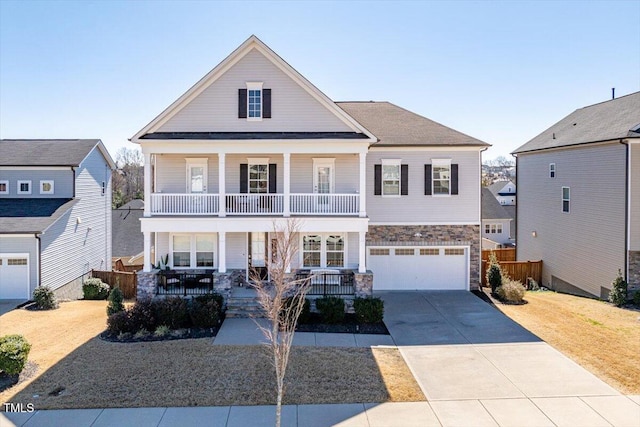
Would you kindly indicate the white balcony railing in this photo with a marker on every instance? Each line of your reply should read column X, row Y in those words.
column 255, row 204
column 324, row 204
column 184, row 204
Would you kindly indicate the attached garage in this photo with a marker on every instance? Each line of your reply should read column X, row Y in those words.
column 14, row 276
column 419, row 267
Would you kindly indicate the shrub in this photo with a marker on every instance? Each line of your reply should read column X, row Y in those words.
column 119, row 323
column 162, row 331
column 511, row 291
column 143, row 315
column 141, row 334
column 205, row 311
column 44, row 298
column 369, row 310
column 494, row 273
column 172, row 312
column 305, row 314
column 618, row 294
column 331, row 309
column 533, row 285
column 95, row 289
column 115, row 301
column 636, row 298
column 14, row 350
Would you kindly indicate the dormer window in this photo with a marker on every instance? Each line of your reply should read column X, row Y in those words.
column 254, row 102
column 24, row 187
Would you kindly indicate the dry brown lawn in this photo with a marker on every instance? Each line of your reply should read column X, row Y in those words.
column 79, row 370
column 602, row 338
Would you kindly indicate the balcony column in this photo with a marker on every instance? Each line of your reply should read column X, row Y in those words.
column 147, row 248
column 222, row 252
column 362, row 267
column 287, row 184
column 147, row 184
column 363, row 185
column 222, row 203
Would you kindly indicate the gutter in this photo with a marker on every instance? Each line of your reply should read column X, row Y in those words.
column 39, row 257
column 517, row 204
column 627, row 211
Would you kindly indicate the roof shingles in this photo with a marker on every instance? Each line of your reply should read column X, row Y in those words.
column 45, row 152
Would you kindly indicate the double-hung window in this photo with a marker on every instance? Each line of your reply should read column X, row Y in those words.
column 24, row 187
column 323, row 250
column 552, row 170
column 193, row 250
column 258, row 178
column 335, row 251
column 311, row 250
column 441, row 177
column 566, row 199
column 391, row 172
column 254, row 100
column 4, row 187
column 493, row 228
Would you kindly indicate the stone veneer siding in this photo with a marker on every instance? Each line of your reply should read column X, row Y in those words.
column 432, row 235
column 634, row 272
column 222, row 282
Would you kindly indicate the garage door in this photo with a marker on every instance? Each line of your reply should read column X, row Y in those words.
column 14, row 276
column 424, row 268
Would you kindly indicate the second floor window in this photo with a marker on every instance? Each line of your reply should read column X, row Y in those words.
column 254, row 103
column 259, row 178
column 441, row 178
column 24, row 187
column 566, row 199
column 4, row 187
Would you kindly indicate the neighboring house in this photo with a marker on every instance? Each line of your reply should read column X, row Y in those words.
column 126, row 237
column 55, row 214
column 381, row 193
column 504, row 192
column 496, row 223
column 579, row 201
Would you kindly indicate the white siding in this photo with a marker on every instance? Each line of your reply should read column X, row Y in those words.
column 216, row 108
column 585, row 247
column 347, row 179
column 497, row 237
column 12, row 244
column 353, row 250
column 162, row 246
column 62, row 179
column 635, row 198
column 416, row 207
column 171, row 173
column 69, row 249
column 237, row 250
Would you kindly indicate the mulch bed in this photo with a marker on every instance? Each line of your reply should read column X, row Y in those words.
column 7, row 380
column 177, row 334
column 349, row 326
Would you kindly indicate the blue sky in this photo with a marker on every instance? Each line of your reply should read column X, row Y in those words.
column 499, row 71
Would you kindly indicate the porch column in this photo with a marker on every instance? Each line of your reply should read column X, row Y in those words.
column 147, row 185
column 287, row 184
column 222, row 205
column 147, row 246
column 362, row 254
column 222, row 252
column 363, row 185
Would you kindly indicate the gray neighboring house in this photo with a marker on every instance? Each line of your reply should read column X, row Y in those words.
column 579, row 198
column 126, row 236
column 55, row 222
column 504, row 192
column 496, row 223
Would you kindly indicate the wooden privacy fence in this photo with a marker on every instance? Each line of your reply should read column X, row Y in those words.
column 517, row 270
column 504, row 254
column 128, row 282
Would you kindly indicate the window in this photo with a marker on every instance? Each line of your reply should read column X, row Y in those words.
column 374, row 251
column 454, row 251
column 17, row 261
column 258, row 178
column 566, row 198
column 552, row 170
column 4, row 187
column 195, row 251
column 405, row 251
column 390, row 177
column 24, row 187
column 429, row 251
column 254, row 101
column 492, row 228
column 46, row 187
column 441, row 179
column 323, row 250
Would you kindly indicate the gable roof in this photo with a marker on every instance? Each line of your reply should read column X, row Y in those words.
column 33, row 215
column 499, row 185
column 491, row 209
column 49, row 152
column 126, row 235
column 395, row 126
column 250, row 44
column 610, row 120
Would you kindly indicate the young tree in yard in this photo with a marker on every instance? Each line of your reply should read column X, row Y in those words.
column 282, row 300
column 128, row 180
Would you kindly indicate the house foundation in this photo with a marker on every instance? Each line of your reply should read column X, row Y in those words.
column 634, row 273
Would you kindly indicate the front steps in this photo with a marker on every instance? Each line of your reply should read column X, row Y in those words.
column 244, row 303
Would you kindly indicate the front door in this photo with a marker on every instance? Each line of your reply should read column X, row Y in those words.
column 257, row 256
column 196, row 178
column 323, row 182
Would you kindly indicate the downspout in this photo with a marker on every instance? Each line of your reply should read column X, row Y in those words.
column 480, row 226
column 73, row 172
column 39, row 258
column 517, row 184
column 627, row 198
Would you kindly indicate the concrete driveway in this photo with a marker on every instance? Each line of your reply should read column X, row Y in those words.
column 478, row 367
column 6, row 305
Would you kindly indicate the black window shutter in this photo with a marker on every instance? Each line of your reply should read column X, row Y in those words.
column 266, row 103
column 377, row 180
column 427, row 180
column 454, row 179
column 404, row 180
column 244, row 177
column 272, row 178
column 242, row 103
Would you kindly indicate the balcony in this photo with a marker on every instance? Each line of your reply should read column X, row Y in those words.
column 255, row 204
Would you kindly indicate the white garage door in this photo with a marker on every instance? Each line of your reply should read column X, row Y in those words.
column 14, row 276
column 424, row 268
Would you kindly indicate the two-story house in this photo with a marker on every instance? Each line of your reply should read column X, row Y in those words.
column 55, row 214
column 504, row 192
column 496, row 223
column 379, row 193
column 579, row 202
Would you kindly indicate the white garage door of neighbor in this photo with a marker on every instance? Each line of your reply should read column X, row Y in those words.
column 423, row 268
column 14, row 276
